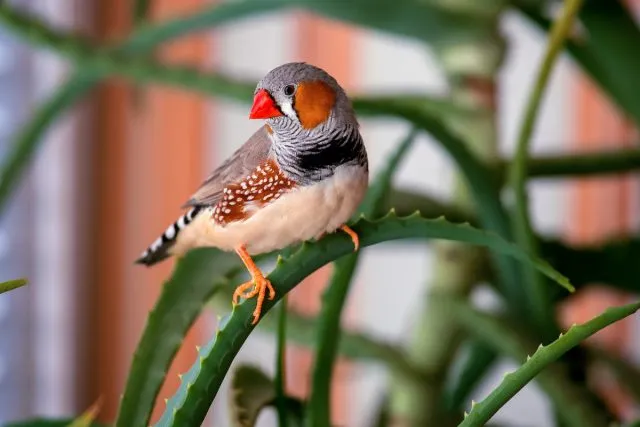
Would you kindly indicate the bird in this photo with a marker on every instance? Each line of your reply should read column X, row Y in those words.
column 300, row 176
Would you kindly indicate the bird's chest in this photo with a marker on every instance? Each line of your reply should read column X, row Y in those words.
column 266, row 184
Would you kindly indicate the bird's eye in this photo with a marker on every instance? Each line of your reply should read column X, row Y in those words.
column 289, row 90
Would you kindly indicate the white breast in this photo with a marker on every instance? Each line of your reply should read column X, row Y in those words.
column 302, row 214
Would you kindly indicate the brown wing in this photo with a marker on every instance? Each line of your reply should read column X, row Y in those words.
column 243, row 161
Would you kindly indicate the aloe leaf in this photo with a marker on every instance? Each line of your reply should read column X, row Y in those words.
column 194, row 280
column 11, row 285
column 200, row 384
column 140, row 11
column 329, row 331
column 467, row 373
column 280, row 382
column 608, row 52
column 29, row 137
column 380, row 187
column 603, row 162
column 536, row 289
column 576, row 412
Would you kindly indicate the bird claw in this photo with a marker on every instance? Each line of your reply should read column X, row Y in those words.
column 354, row 237
column 259, row 286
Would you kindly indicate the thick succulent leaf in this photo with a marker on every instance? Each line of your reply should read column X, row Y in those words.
column 466, row 374
column 200, row 384
column 251, row 390
column 576, row 411
column 194, row 280
column 11, row 285
column 140, row 11
column 280, row 380
column 608, row 52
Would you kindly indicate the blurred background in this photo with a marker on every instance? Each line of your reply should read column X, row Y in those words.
column 113, row 173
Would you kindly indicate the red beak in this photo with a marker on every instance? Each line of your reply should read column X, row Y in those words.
column 263, row 106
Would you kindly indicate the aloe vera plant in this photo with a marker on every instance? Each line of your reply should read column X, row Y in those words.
column 435, row 373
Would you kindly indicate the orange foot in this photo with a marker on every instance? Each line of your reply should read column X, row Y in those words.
column 258, row 285
column 353, row 235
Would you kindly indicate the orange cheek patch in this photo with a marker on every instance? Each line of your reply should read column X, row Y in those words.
column 314, row 101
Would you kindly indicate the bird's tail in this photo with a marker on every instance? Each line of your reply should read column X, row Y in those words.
column 159, row 249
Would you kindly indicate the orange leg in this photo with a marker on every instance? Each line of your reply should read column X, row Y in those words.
column 353, row 235
column 258, row 284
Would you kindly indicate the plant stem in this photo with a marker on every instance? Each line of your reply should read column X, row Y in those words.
column 11, row 285
column 580, row 165
column 538, row 300
column 281, row 365
column 333, row 301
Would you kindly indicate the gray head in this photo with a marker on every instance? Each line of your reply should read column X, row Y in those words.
column 300, row 95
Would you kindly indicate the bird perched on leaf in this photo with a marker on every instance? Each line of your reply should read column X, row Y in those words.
column 301, row 175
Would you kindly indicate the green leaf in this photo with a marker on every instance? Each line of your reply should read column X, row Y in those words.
column 405, row 202
column 608, row 52
column 319, row 407
column 29, row 137
column 380, row 187
column 538, row 306
column 575, row 411
column 200, row 384
column 140, row 11
column 582, row 164
column 467, row 373
column 281, row 364
column 11, row 285
column 329, row 331
column 251, row 391
column 194, row 280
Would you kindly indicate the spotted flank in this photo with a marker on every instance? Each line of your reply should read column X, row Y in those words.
column 159, row 249
column 240, row 200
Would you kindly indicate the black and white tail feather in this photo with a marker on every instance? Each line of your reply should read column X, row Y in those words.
column 159, row 249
